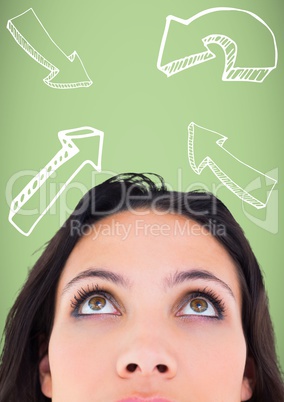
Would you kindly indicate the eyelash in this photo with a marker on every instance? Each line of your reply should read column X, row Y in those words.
column 208, row 294
column 83, row 294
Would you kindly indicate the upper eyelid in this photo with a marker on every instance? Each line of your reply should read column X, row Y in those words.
column 205, row 294
column 114, row 306
column 75, row 302
column 189, row 294
column 193, row 296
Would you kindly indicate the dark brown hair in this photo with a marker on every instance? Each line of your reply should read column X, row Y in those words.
column 30, row 320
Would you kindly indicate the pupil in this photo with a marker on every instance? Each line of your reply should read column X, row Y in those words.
column 199, row 305
column 97, row 303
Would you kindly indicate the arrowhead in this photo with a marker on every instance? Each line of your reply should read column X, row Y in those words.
column 190, row 50
column 201, row 143
column 89, row 142
column 71, row 74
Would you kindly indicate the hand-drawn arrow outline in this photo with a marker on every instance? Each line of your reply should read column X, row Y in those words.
column 68, row 151
column 220, row 174
column 39, row 58
column 230, row 73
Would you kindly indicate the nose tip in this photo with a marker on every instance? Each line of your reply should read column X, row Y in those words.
column 132, row 367
column 135, row 362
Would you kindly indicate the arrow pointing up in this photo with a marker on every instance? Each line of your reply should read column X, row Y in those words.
column 66, row 72
column 206, row 149
column 32, row 190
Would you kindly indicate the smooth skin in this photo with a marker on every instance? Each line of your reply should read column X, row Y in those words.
column 154, row 336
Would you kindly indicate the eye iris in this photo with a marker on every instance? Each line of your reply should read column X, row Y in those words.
column 97, row 303
column 199, row 305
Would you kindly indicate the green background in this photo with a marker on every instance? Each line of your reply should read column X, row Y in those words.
column 143, row 114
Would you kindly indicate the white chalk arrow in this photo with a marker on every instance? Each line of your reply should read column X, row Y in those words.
column 206, row 149
column 68, row 151
column 229, row 46
column 66, row 72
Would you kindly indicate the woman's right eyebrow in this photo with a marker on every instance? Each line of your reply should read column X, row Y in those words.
column 97, row 273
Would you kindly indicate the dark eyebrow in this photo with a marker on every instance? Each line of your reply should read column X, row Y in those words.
column 97, row 273
column 183, row 276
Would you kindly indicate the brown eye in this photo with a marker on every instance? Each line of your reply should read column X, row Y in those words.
column 199, row 305
column 97, row 303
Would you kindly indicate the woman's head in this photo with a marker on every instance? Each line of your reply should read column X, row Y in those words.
column 155, row 292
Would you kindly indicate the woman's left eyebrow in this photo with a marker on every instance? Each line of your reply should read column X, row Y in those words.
column 97, row 273
column 195, row 274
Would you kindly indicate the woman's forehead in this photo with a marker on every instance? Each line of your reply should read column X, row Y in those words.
column 164, row 236
column 150, row 246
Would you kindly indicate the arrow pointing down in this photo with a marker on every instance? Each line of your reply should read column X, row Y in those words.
column 66, row 72
column 206, row 149
column 229, row 46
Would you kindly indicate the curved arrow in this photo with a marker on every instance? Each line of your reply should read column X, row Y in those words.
column 235, row 174
column 229, row 46
column 69, row 74
column 68, row 151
